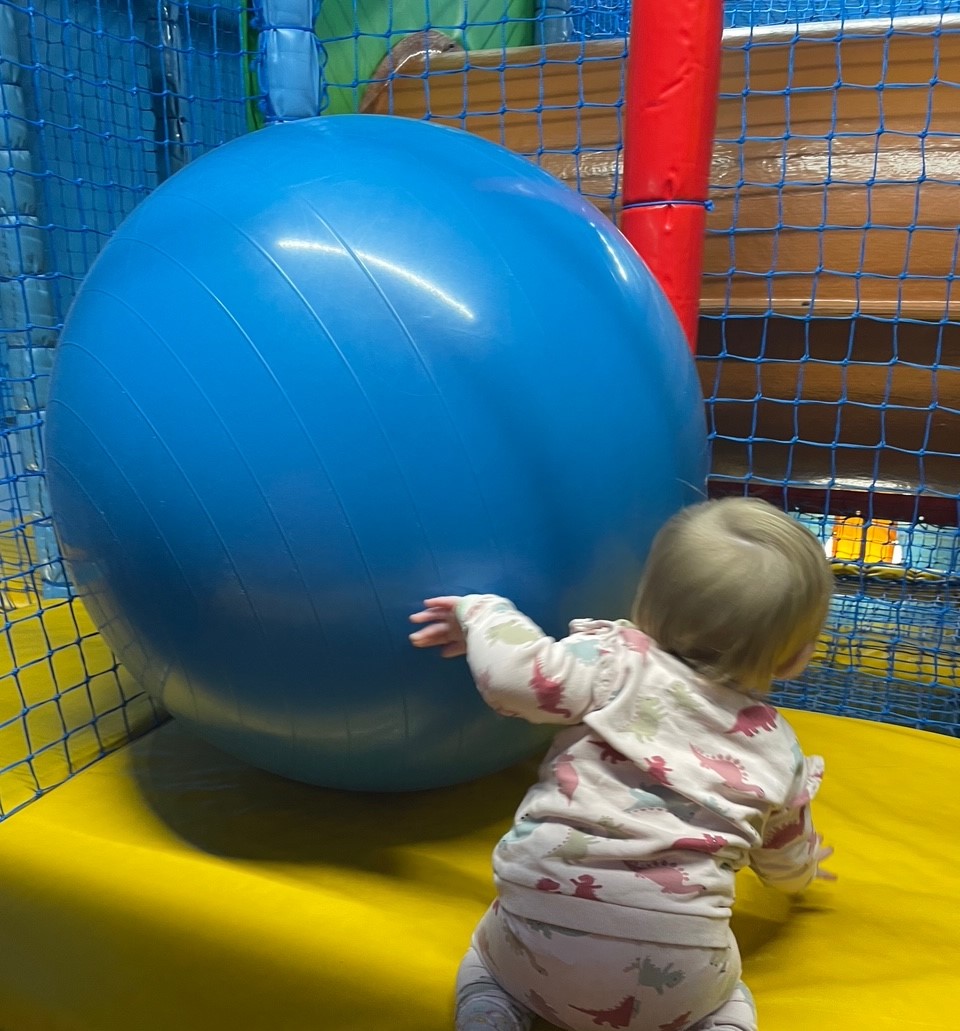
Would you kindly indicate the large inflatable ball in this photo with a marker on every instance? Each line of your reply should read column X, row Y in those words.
column 334, row 368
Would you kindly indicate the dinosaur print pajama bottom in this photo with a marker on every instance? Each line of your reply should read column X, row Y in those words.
column 578, row 981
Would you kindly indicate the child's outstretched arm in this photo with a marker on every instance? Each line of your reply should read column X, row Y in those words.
column 518, row 669
column 792, row 850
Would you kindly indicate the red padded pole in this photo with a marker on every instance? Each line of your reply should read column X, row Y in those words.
column 673, row 79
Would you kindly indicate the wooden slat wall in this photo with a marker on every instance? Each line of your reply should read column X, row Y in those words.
column 889, row 393
column 800, row 206
column 796, row 178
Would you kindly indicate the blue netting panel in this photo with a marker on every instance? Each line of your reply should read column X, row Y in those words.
column 561, row 106
column 367, row 41
column 565, row 20
column 830, row 347
column 101, row 102
column 892, row 647
column 741, row 14
column 830, row 344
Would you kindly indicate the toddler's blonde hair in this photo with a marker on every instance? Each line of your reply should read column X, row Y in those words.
column 736, row 589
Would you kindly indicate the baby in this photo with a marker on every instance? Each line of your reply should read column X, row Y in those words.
column 616, row 881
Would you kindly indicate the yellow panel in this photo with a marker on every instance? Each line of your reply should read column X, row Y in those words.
column 168, row 888
column 854, row 540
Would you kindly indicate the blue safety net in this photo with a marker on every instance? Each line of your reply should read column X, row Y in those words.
column 565, row 20
column 101, row 102
column 830, row 343
column 829, row 348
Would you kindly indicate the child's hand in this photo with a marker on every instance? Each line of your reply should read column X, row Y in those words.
column 824, row 853
column 443, row 629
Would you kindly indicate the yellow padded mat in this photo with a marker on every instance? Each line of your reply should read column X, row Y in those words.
column 168, row 888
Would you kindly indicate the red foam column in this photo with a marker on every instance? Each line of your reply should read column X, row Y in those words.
column 673, row 81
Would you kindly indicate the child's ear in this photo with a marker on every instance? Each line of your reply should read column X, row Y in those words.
column 795, row 666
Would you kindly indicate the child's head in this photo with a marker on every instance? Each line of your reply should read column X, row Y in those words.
column 736, row 589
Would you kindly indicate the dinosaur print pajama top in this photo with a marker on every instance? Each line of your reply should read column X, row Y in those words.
column 658, row 789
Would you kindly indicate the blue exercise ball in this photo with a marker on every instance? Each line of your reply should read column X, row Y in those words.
column 331, row 369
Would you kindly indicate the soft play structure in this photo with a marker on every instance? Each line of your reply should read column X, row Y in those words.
column 264, row 391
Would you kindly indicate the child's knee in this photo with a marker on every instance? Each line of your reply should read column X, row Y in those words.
column 738, row 1013
column 482, row 1003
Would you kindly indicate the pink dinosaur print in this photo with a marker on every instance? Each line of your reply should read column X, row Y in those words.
column 585, row 887
column 547, row 884
column 806, row 796
column 676, row 1025
column 789, row 832
column 607, row 752
column 619, row 1016
column 635, row 640
column 658, row 769
column 671, row 879
column 710, row 843
column 729, row 770
column 568, row 780
column 754, row 719
column 548, row 692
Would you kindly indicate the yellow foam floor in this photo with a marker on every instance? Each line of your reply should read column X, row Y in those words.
column 169, row 888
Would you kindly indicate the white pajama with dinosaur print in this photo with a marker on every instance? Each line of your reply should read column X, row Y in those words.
column 660, row 787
